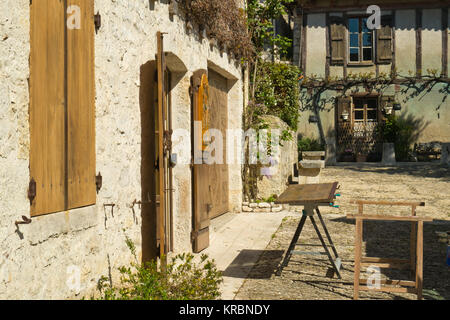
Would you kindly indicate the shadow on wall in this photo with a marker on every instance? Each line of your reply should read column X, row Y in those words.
column 147, row 97
column 410, row 129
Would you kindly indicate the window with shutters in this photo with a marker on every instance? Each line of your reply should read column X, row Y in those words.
column 360, row 41
column 62, row 110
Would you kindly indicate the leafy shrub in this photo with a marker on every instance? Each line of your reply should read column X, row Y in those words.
column 277, row 90
column 307, row 144
column 182, row 279
column 400, row 132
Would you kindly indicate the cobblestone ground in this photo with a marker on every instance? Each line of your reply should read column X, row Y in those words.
column 308, row 277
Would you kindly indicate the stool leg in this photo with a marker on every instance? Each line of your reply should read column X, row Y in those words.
column 419, row 259
column 358, row 250
column 413, row 243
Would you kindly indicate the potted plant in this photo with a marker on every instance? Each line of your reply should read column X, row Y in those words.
column 361, row 157
column 389, row 132
column 348, row 156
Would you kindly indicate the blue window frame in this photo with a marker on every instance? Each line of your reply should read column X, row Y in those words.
column 360, row 40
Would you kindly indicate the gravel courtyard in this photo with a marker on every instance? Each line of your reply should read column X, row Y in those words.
column 307, row 277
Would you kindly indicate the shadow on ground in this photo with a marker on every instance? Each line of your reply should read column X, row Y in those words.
column 243, row 266
column 391, row 239
column 307, row 277
column 418, row 170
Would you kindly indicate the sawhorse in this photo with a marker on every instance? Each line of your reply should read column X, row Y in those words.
column 309, row 211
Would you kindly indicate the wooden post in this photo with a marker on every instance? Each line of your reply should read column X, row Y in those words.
column 413, row 241
column 419, row 263
column 358, row 249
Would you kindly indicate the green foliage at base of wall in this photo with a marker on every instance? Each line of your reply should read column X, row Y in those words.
column 181, row 279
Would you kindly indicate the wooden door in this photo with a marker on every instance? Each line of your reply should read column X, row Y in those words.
column 201, row 186
column 218, row 119
column 47, row 106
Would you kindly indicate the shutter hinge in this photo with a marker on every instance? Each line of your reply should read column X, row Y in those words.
column 32, row 191
column 98, row 182
column 97, row 21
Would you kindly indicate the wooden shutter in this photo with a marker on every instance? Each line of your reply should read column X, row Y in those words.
column 344, row 104
column 201, row 187
column 47, row 104
column 62, row 112
column 337, row 39
column 81, row 109
column 383, row 102
column 161, row 183
column 384, row 41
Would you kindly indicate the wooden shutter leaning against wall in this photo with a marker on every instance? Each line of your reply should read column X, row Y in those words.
column 81, row 109
column 47, row 105
column 384, row 101
column 344, row 104
column 337, row 40
column 384, row 41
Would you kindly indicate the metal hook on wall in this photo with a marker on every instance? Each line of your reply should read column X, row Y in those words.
column 25, row 220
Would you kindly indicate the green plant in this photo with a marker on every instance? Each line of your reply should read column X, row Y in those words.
column 272, row 198
column 308, row 144
column 182, row 279
column 400, row 132
column 278, row 92
column 264, row 99
column 223, row 21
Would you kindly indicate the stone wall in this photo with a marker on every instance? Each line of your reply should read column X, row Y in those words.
column 40, row 259
column 275, row 179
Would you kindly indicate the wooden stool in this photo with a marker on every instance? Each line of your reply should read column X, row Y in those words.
column 415, row 263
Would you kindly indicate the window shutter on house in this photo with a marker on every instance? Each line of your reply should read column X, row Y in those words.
column 47, row 106
column 384, row 101
column 81, row 109
column 62, row 107
column 384, row 41
column 344, row 104
column 337, row 40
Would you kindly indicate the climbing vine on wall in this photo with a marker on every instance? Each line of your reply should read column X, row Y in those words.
column 223, row 21
column 277, row 92
column 313, row 89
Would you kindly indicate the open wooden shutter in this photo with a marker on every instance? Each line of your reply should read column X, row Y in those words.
column 81, row 108
column 47, row 104
column 201, row 188
column 384, row 101
column 344, row 104
column 337, row 39
column 62, row 107
column 384, row 41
